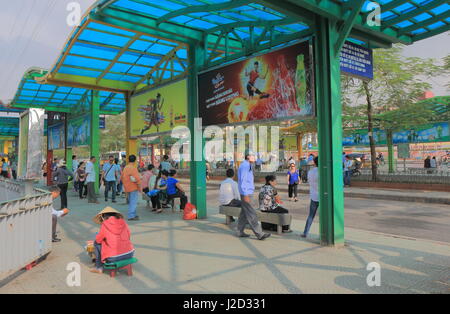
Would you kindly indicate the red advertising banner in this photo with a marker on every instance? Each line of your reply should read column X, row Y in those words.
column 274, row 86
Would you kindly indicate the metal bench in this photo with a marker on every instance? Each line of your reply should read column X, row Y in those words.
column 114, row 267
column 277, row 219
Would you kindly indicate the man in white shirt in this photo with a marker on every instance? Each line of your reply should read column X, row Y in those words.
column 229, row 191
column 90, row 181
column 313, row 180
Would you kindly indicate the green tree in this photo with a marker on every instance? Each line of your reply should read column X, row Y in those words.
column 113, row 137
column 398, row 82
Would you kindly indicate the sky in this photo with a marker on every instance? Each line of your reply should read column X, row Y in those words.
column 34, row 32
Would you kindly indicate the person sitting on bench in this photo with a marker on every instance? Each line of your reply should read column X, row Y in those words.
column 269, row 202
column 229, row 192
column 112, row 243
column 175, row 190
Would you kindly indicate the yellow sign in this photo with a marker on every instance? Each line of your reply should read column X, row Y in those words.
column 159, row 110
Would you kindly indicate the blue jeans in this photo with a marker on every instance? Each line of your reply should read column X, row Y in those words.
column 132, row 204
column 312, row 213
column 98, row 256
column 110, row 185
column 347, row 177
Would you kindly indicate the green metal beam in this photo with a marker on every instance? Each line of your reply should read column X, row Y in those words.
column 241, row 24
column 89, row 83
column 355, row 7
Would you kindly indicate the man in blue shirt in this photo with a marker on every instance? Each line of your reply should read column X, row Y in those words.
column 175, row 190
column 246, row 189
column 109, row 177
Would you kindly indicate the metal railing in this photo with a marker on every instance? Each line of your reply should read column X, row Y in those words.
column 25, row 227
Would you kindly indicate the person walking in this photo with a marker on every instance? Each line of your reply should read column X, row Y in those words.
column 61, row 179
column 90, row 180
column 81, row 180
column 14, row 169
column 75, row 164
column 427, row 164
column 246, row 189
column 293, row 178
column 132, row 185
column 119, row 175
column 109, row 177
column 313, row 179
column 347, row 171
column 433, row 162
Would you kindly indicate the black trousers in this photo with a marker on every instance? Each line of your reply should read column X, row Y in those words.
column 182, row 196
column 81, row 187
column 63, row 188
column 293, row 190
column 272, row 227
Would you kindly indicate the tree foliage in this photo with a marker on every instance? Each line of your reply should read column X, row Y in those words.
column 113, row 137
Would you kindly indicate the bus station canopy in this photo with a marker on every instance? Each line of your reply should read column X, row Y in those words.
column 31, row 94
column 9, row 126
column 126, row 45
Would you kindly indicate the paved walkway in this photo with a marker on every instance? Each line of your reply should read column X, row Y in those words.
column 177, row 256
column 416, row 196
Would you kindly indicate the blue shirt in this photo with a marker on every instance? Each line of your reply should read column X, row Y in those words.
column 5, row 166
column 171, row 186
column 293, row 177
column 246, row 179
column 111, row 176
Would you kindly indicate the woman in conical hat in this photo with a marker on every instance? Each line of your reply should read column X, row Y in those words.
column 112, row 243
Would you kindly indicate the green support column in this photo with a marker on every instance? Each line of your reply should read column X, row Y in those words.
column 329, row 117
column 95, row 135
column 197, row 164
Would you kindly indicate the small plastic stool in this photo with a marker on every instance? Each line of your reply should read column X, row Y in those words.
column 116, row 266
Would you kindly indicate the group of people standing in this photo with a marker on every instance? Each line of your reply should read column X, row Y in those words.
column 8, row 170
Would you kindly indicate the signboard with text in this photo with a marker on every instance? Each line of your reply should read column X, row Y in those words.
column 357, row 61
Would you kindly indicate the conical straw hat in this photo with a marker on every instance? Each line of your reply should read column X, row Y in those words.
column 97, row 219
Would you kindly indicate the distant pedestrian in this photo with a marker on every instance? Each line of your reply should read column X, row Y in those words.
column 61, row 179
column 293, row 178
column 246, row 186
column 347, row 171
column 433, row 162
column 5, row 168
column 81, row 180
column 109, row 178
column 75, row 164
column 313, row 179
column 132, row 185
column 427, row 164
column 90, row 180
column 165, row 164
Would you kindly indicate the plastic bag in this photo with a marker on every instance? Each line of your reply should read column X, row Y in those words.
column 190, row 212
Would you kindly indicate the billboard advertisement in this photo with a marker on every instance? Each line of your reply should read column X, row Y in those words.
column 159, row 110
column 56, row 137
column 427, row 133
column 277, row 85
column 78, row 131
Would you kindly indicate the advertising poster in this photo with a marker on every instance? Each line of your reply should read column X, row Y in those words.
column 159, row 110
column 56, row 137
column 288, row 143
column 427, row 133
column 277, row 85
column 79, row 131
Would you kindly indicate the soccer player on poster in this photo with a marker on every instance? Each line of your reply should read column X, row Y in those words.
column 254, row 75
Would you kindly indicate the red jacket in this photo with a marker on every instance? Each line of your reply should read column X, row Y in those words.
column 114, row 236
